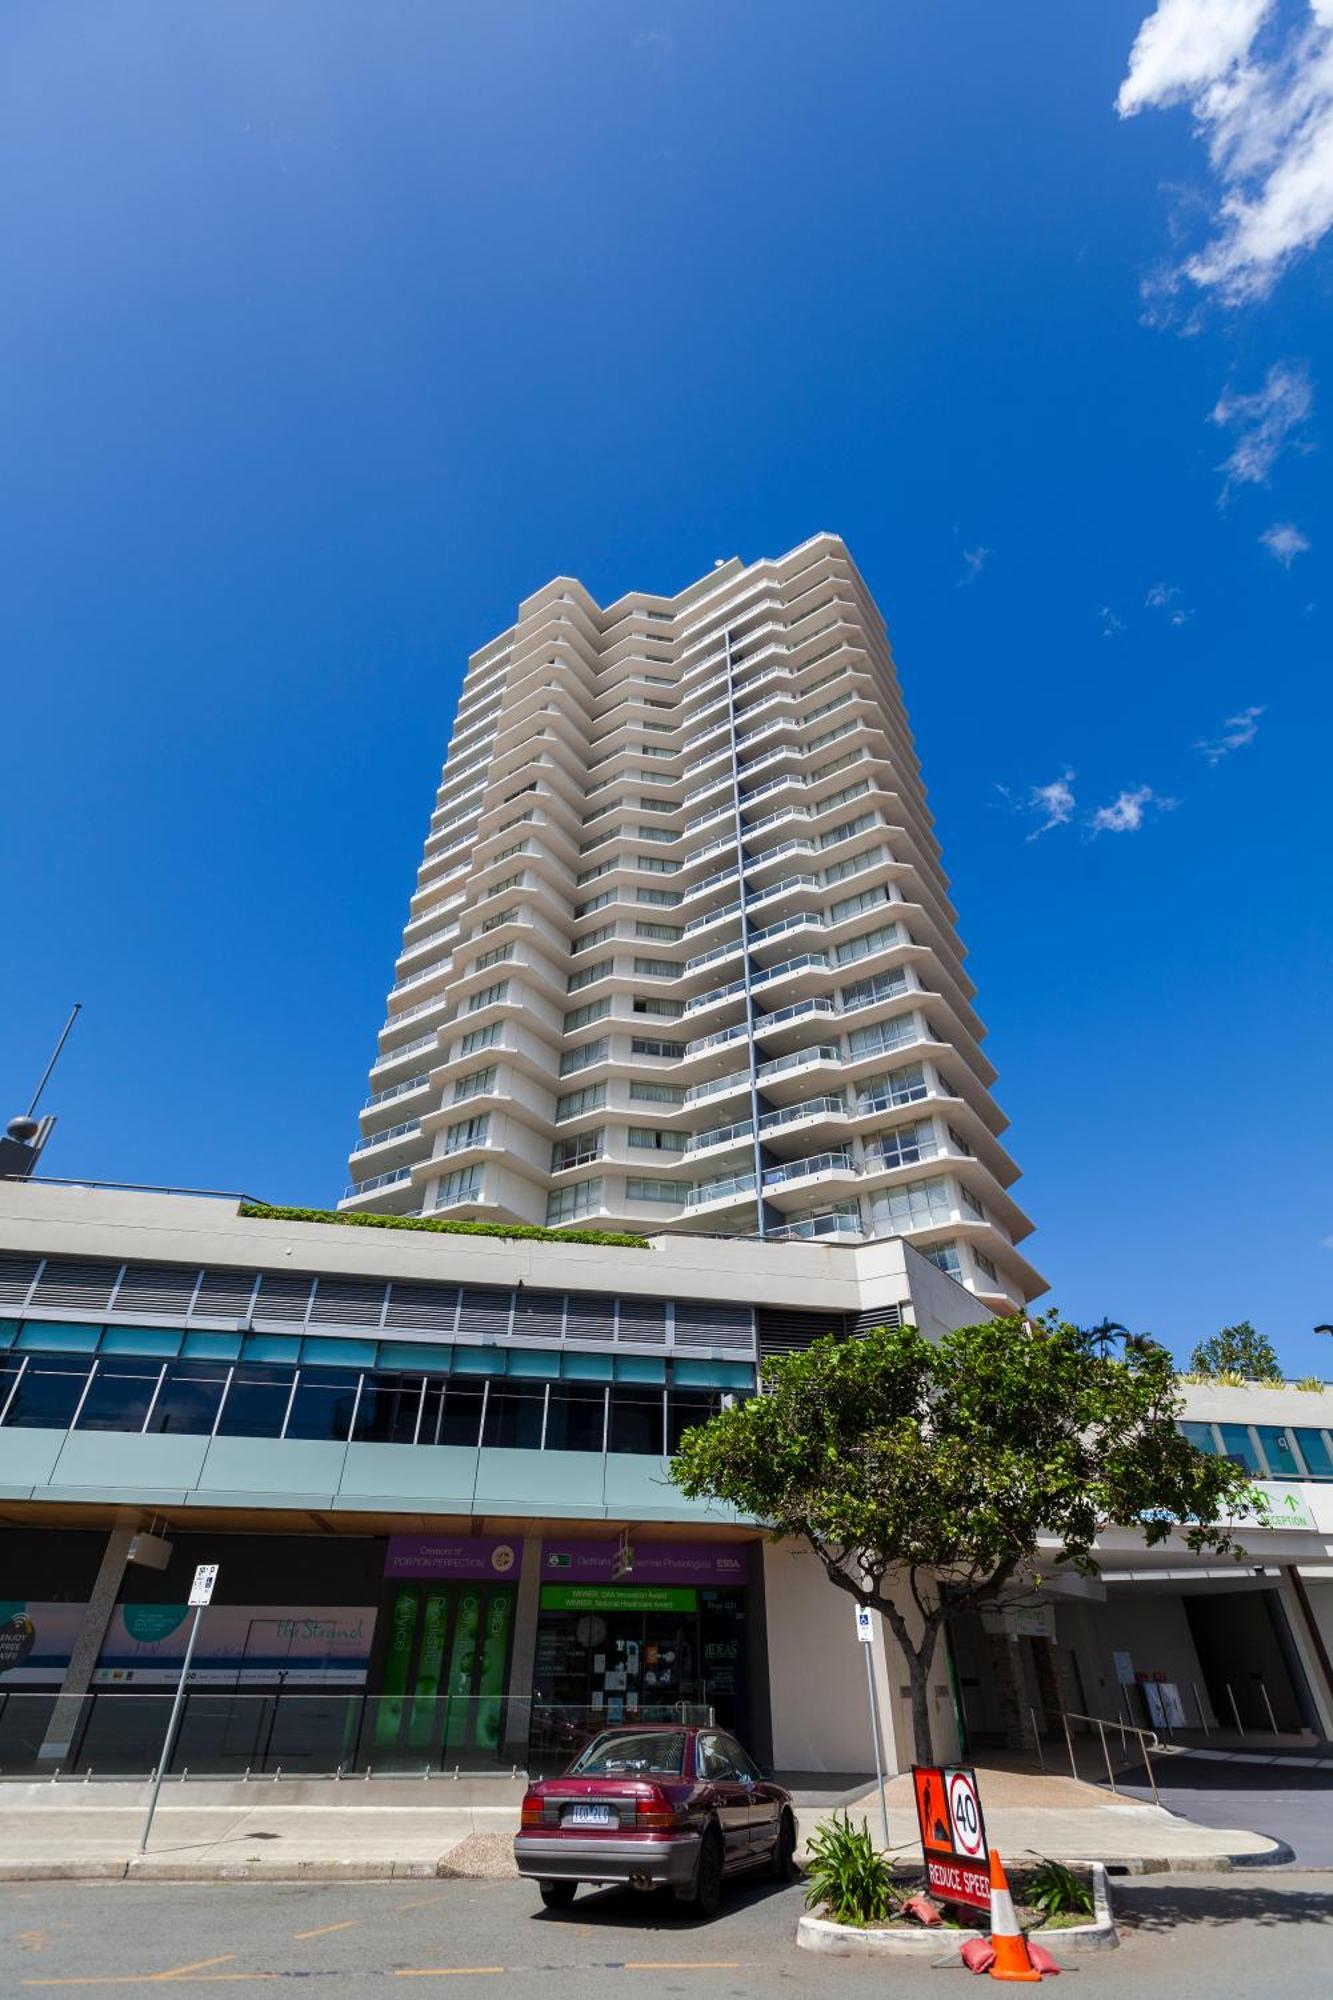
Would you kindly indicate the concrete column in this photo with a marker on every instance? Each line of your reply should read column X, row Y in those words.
column 1007, row 1666
column 1048, row 1682
column 522, row 1658
column 64, row 1718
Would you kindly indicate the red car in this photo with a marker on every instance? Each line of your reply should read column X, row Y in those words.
column 665, row 1806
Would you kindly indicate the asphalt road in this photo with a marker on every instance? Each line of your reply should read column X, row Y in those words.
column 1287, row 1801
column 1201, row 1938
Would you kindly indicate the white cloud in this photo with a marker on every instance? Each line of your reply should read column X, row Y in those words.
column 1265, row 423
column 1237, row 732
column 1162, row 597
column 1127, row 812
column 1258, row 79
column 974, row 561
column 1055, row 802
column 1285, row 541
column 1110, row 623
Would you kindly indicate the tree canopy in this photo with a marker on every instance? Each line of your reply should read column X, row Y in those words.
column 1238, row 1350
column 961, row 1468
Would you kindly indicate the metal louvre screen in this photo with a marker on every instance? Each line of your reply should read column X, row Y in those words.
column 344, row 1302
column 539, row 1316
column 642, row 1322
column 426, row 1308
column 70, row 1285
column 700, row 1323
column 591, row 1318
column 224, row 1295
column 16, row 1276
column 283, row 1297
column 484, row 1315
column 155, row 1291
column 784, row 1332
column 860, row 1324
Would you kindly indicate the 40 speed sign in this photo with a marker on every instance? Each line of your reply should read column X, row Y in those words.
column 953, row 1833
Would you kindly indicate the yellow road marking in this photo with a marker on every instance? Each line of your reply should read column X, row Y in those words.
column 350, row 1925
column 198, row 1965
column 150, row 1978
column 422, row 1902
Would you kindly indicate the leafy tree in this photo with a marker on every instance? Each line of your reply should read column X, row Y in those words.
column 943, row 1465
column 1238, row 1350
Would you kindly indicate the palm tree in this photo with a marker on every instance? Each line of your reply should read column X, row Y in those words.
column 1104, row 1335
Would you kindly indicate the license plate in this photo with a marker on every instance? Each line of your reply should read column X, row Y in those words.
column 590, row 1816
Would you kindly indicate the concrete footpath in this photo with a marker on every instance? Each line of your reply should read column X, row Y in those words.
column 1062, row 1818
column 311, row 1831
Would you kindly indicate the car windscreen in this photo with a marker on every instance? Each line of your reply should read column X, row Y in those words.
column 655, row 1753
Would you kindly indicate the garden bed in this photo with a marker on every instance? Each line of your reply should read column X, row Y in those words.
column 818, row 1932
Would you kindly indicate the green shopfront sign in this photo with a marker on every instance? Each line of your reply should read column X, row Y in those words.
column 618, row 1597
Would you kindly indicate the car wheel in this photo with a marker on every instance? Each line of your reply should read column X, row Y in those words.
column 557, row 1895
column 707, row 1894
column 782, row 1861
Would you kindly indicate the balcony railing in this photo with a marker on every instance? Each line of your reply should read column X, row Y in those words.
column 720, row 1135
column 396, row 1089
column 373, row 1139
column 379, row 1181
column 826, row 1052
column 730, row 1189
column 816, row 1163
column 809, row 1107
column 815, row 1227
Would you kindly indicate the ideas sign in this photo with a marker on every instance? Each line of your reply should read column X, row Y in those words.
column 953, row 1834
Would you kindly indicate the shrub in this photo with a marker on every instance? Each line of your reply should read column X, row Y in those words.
column 525, row 1232
column 1313, row 1383
column 848, row 1875
column 1057, row 1891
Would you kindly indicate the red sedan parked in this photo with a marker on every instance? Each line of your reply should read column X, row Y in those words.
column 669, row 1806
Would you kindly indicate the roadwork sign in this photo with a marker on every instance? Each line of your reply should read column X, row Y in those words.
column 953, row 1834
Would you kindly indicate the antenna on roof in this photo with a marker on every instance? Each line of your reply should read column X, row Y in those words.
column 25, row 1136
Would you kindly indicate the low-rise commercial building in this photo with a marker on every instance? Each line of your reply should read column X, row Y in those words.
column 434, row 1470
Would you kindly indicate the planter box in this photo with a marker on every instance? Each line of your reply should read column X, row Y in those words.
column 915, row 1941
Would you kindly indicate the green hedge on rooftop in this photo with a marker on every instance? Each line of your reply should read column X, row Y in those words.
column 522, row 1232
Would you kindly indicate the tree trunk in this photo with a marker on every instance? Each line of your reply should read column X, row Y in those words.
column 918, row 1669
column 919, row 1659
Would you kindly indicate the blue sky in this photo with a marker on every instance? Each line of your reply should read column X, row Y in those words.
column 333, row 329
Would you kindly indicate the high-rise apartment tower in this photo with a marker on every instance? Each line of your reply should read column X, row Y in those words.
column 681, row 954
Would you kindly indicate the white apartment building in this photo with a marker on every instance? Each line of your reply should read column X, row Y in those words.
column 681, row 953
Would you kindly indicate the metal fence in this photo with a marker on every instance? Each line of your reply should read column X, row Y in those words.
column 110, row 1733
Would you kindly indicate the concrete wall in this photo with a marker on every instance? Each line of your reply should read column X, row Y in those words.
column 1153, row 1629
column 817, row 1676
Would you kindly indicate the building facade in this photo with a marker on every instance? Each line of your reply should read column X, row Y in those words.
column 435, row 1473
column 681, row 953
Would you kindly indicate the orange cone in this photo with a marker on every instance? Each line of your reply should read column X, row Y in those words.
column 1011, row 1951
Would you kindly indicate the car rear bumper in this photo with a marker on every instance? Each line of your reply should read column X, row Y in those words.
column 567, row 1858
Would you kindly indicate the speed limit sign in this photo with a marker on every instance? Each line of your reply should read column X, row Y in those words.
column 969, row 1834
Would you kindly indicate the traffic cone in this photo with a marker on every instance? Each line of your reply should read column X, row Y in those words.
column 1011, row 1951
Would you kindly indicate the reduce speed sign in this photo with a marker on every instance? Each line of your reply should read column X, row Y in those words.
column 969, row 1834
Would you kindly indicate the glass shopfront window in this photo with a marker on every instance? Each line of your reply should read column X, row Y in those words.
column 621, row 1652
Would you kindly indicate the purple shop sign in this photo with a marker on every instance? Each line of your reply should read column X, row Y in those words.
column 498, row 1557
column 706, row 1563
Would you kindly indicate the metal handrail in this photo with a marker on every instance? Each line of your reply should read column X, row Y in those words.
column 1147, row 1737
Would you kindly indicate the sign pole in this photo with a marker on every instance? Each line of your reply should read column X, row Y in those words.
column 865, row 1632
column 201, row 1590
